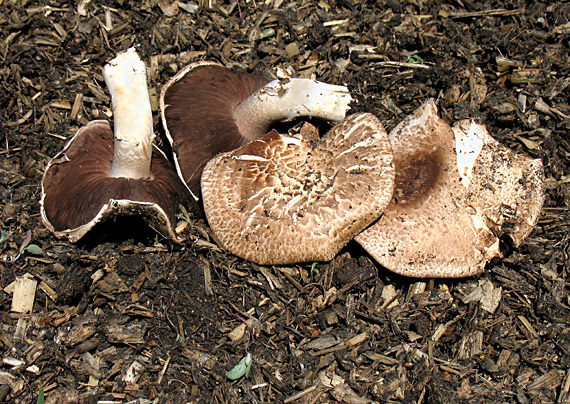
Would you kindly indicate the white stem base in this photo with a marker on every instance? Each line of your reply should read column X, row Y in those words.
column 125, row 77
column 283, row 100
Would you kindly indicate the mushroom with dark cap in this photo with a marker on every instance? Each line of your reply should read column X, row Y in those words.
column 284, row 199
column 207, row 109
column 100, row 173
column 456, row 191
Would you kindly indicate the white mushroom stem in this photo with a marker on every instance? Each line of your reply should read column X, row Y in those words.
column 282, row 100
column 125, row 77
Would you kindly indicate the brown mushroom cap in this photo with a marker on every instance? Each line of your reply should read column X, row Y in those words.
column 284, row 199
column 78, row 193
column 448, row 208
column 196, row 108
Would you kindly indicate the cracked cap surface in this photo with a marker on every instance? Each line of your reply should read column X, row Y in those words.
column 284, row 199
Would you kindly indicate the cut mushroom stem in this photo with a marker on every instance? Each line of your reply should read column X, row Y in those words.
column 283, row 100
column 125, row 77
column 208, row 109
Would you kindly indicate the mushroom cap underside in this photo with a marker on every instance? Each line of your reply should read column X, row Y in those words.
column 196, row 109
column 77, row 192
column 440, row 225
column 285, row 199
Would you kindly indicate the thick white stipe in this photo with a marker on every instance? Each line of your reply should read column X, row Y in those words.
column 125, row 77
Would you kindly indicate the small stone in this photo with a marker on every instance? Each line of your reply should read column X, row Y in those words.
column 331, row 318
column 11, row 210
column 292, row 49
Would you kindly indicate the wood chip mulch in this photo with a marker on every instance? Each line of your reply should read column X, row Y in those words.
column 127, row 317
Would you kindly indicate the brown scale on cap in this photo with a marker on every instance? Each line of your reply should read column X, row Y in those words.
column 448, row 207
column 207, row 109
column 284, row 199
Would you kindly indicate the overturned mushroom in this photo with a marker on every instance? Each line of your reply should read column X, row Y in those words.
column 457, row 190
column 284, row 199
column 100, row 173
column 207, row 109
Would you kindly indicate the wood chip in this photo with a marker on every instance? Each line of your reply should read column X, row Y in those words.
column 486, row 294
column 133, row 372
column 550, row 381
column 77, row 106
column 471, row 345
column 24, row 295
column 238, row 332
column 389, row 297
column 485, row 13
column 130, row 333
column 299, row 395
column 528, row 326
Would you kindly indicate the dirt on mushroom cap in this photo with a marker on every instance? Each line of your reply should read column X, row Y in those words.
column 439, row 224
column 285, row 199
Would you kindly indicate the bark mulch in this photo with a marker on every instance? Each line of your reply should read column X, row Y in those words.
column 125, row 316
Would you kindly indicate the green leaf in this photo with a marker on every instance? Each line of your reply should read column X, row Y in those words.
column 184, row 214
column 268, row 32
column 180, row 340
column 248, row 362
column 415, row 59
column 4, row 236
column 41, row 398
column 241, row 369
column 34, row 249
column 314, row 268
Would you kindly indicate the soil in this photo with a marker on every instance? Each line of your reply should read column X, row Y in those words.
column 125, row 316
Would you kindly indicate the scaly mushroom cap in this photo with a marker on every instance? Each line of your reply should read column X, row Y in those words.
column 285, row 199
column 78, row 193
column 506, row 187
column 196, row 108
column 451, row 201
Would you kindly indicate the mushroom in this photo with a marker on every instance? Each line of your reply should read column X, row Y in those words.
column 207, row 109
column 457, row 191
column 284, row 199
column 99, row 174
